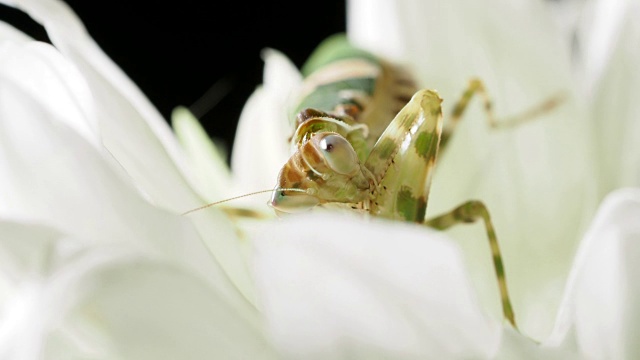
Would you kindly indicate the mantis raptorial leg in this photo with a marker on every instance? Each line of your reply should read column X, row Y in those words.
column 469, row 212
column 476, row 86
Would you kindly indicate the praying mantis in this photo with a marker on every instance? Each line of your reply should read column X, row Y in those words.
column 347, row 151
column 366, row 138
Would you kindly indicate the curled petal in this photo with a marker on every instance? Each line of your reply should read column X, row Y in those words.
column 10, row 34
column 600, row 311
column 131, row 128
column 43, row 73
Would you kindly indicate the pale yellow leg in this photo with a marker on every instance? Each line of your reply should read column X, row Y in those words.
column 476, row 86
column 470, row 212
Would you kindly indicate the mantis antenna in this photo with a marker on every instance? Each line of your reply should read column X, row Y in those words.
column 238, row 197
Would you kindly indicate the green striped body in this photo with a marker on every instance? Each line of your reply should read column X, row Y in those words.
column 335, row 68
column 344, row 80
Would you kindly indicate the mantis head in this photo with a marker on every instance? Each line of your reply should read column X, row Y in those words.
column 323, row 169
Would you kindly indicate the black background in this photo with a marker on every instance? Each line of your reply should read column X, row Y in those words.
column 175, row 51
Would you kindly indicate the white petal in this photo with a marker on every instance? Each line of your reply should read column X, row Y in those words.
column 261, row 145
column 567, row 15
column 212, row 174
column 535, row 179
column 54, row 177
column 132, row 129
column 9, row 33
column 615, row 111
column 603, row 293
column 40, row 70
column 597, row 34
column 516, row 346
column 502, row 42
column 339, row 287
column 152, row 311
column 45, row 175
column 107, row 302
column 21, row 258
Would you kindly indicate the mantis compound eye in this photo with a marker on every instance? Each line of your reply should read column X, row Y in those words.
column 339, row 154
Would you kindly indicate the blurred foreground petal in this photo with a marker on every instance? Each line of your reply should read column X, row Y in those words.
column 340, row 287
column 106, row 302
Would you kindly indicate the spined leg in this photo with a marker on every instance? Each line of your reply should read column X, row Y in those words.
column 476, row 86
column 470, row 212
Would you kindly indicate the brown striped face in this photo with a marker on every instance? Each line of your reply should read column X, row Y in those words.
column 324, row 169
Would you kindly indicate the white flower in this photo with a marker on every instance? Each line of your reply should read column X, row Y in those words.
column 97, row 262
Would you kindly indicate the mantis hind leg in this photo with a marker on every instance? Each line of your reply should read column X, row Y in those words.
column 470, row 212
column 476, row 86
